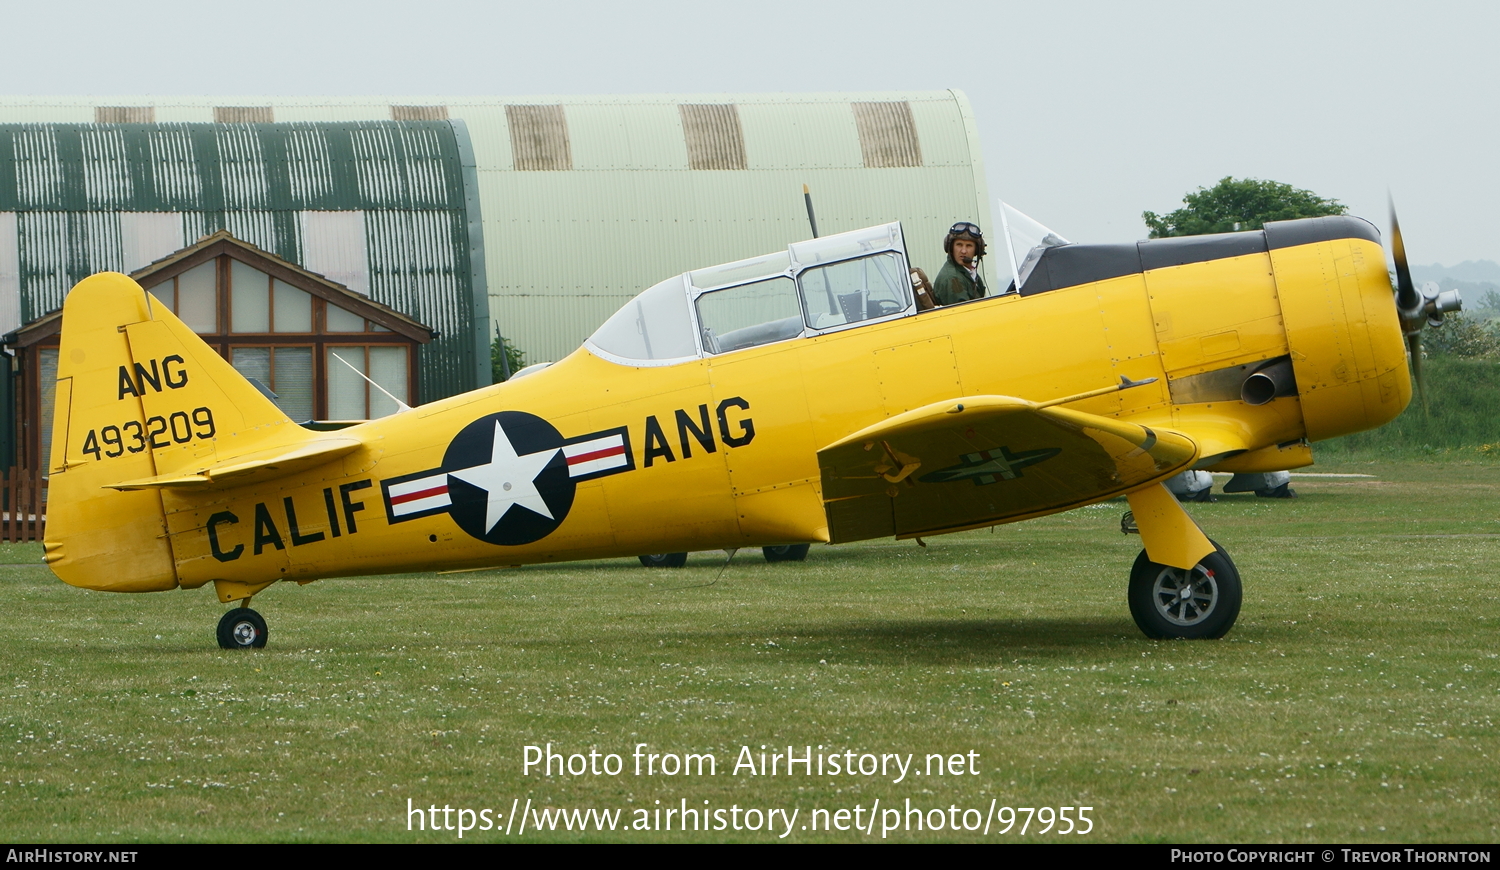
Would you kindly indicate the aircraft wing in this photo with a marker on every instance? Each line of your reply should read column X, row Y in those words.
column 985, row 460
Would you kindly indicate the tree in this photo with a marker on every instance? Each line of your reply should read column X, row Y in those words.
column 1489, row 306
column 1239, row 204
column 514, row 358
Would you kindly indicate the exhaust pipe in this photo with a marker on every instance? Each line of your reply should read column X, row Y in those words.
column 1268, row 382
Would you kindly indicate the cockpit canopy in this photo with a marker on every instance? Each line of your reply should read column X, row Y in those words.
column 812, row 287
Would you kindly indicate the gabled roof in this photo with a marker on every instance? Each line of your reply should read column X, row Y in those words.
column 222, row 243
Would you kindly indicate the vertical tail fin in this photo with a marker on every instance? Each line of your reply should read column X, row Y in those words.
column 139, row 396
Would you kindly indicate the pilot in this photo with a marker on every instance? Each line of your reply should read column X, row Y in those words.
column 959, row 280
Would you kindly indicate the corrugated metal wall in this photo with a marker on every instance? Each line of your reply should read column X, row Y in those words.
column 380, row 206
column 664, row 184
column 588, row 200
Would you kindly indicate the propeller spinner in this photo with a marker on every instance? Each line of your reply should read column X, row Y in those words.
column 1417, row 307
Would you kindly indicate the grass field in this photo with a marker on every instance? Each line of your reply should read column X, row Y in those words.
column 1356, row 700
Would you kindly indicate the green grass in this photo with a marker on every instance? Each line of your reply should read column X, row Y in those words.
column 1356, row 700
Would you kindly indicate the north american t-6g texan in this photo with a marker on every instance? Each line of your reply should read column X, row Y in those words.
column 793, row 398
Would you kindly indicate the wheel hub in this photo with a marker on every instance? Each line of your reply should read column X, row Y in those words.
column 244, row 633
column 1185, row 597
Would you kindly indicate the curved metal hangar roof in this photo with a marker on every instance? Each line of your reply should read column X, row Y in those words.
column 582, row 202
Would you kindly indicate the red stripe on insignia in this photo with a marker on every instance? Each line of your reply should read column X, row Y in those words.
column 617, row 450
column 414, row 496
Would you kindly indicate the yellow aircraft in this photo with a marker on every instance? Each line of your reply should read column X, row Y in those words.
column 793, row 398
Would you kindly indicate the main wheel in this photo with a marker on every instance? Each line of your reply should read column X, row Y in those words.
column 664, row 560
column 1196, row 603
column 242, row 628
column 785, row 553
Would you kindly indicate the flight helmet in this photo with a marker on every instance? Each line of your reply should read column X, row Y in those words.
column 964, row 230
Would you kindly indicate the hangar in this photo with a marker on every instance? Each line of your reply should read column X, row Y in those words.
column 531, row 217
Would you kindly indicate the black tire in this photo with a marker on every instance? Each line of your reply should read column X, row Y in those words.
column 785, row 553
column 1209, row 611
column 664, row 560
column 242, row 628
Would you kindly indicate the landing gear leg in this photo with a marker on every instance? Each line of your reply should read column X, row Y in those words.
column 242, row 628
column 1183, row 585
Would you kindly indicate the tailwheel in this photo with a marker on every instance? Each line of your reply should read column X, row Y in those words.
column 242, row 628
column 786, row 553
column 664, row 560
column 1196, row 603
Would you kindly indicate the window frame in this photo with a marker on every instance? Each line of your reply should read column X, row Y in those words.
column 867, row 242
column 228, row 353
column 895, row 242
column 701, row 327
column 903, row 290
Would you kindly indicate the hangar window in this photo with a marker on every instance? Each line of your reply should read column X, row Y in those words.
column 260, row 303
column 285, row 371
column 713, row 134
column 539, row 137
column 193, row 296
column 887, row 134
column 351, row 397
column 124, row 114
column 244, row 115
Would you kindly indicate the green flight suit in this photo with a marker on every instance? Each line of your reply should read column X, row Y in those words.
column 954, row 285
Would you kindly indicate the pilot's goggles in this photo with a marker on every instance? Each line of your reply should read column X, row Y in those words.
column 962, row 227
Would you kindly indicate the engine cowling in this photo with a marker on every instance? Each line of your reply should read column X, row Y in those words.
column 1342, row 327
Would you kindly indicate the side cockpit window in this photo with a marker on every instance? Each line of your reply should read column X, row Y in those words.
column 747, row 303
column 749, row 315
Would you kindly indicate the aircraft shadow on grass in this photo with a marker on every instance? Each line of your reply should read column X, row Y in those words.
column 904, row 641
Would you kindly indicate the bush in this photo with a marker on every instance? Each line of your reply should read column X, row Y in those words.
column 513, row 356
column 1462, row 337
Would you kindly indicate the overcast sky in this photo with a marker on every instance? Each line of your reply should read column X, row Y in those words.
column 1088, row 113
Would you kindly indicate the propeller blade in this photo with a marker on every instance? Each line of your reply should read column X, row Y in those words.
column 1407, row 298
column 1414, row 348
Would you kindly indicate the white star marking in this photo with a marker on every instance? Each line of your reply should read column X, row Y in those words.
column 509, row 479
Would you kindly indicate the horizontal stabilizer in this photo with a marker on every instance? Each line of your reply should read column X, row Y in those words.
column 985, row 460
column 250, row 468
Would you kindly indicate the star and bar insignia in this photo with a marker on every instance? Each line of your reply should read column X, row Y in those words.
column 508, row 478
column 988, row 466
